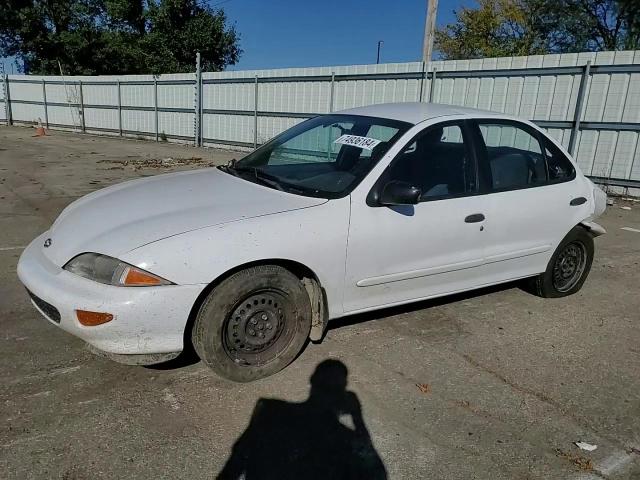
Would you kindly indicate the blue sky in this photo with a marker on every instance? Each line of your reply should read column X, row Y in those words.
column 304, row 33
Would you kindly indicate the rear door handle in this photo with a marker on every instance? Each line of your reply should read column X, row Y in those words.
column 475, row 218
column 577, row 201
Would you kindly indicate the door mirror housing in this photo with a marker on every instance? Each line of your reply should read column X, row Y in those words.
column 396, row 192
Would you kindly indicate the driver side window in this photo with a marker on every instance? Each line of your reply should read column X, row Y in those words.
column 437, row 162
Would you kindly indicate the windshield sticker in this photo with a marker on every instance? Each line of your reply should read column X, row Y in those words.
column 365, row 143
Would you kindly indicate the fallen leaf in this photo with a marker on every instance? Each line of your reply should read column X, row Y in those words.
column 424, row 388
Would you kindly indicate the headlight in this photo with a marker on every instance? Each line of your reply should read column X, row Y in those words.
column 111, row 271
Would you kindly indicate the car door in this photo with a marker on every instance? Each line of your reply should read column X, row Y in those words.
column 397, row 254
column 530, row 186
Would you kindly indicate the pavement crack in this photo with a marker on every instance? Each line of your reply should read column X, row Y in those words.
column 542, row 397
column 519, row 388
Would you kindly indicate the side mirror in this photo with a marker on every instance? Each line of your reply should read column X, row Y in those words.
column 399, row 193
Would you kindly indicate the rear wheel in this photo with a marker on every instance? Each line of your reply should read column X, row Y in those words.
column 253, row 324
column 568, row 268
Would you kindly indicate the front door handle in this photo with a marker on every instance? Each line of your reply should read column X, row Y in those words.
column 577, row 201
column 475, row 218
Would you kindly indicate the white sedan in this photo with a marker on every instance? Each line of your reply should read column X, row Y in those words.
column 348, row 212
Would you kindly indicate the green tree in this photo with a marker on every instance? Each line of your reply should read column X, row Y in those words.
column 592, row 25
column 527, row 27
column 496, row 28
column 116, row 36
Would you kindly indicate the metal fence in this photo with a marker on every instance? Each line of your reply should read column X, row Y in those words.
column 590, row 102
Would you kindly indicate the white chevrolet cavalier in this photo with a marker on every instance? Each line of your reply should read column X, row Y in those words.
column 343, row 213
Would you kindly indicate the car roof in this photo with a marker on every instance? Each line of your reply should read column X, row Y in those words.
column 416, row 112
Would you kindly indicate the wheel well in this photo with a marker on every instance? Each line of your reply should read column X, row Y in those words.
column 304, row 273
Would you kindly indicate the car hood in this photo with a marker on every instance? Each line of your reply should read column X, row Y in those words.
column 118, row 219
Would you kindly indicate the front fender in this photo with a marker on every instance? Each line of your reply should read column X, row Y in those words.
column 315, row 237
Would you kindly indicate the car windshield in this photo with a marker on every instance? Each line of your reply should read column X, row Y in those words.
column 326, row 156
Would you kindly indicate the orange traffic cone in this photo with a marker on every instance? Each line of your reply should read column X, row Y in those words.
column 40, row 131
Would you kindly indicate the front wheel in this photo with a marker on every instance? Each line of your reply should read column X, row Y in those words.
column 568, row 268
column 253, row 324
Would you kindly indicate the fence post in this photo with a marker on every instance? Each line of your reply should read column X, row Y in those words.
column 155, row 104
column 44, row 100
column 81, row 107
column 201, row 97
column 432, row 87
column 119, row 107
column 7, row 101
column 577, row 114
column 255, row 114
column 196, row 104
column 331, row 91
column 422, row 78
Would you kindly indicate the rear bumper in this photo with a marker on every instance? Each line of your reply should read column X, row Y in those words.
column 147, row 320
column 594, row 228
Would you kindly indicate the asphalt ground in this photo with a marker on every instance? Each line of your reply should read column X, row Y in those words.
column 494, row 384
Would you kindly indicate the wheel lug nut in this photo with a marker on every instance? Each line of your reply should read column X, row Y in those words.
column 269, row 326
column 264, row 316
column 254, row 321
column 260, row 334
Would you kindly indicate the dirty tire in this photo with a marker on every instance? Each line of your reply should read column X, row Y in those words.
column 253, row 324
column 568, row 268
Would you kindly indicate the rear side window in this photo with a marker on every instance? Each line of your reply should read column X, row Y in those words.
column 514, row 155
column 559, row 168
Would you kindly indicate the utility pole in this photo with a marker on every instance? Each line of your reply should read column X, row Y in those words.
column 429, row 30
column 380, row 43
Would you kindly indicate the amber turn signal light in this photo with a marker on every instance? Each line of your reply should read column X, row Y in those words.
column 134, row 277
column 91, row 319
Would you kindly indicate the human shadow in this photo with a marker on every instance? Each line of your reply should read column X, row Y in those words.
column 307, row 440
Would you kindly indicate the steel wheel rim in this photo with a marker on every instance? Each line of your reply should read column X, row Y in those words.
column 258, row 328
column 569, row 266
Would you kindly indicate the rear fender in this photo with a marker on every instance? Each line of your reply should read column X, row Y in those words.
column 599, row 206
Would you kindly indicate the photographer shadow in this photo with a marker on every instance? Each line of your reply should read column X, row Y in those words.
column 307, row 440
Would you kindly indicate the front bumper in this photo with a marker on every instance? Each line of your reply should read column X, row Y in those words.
column 147, row 320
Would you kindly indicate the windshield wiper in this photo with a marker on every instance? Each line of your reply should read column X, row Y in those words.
column 259, row 175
